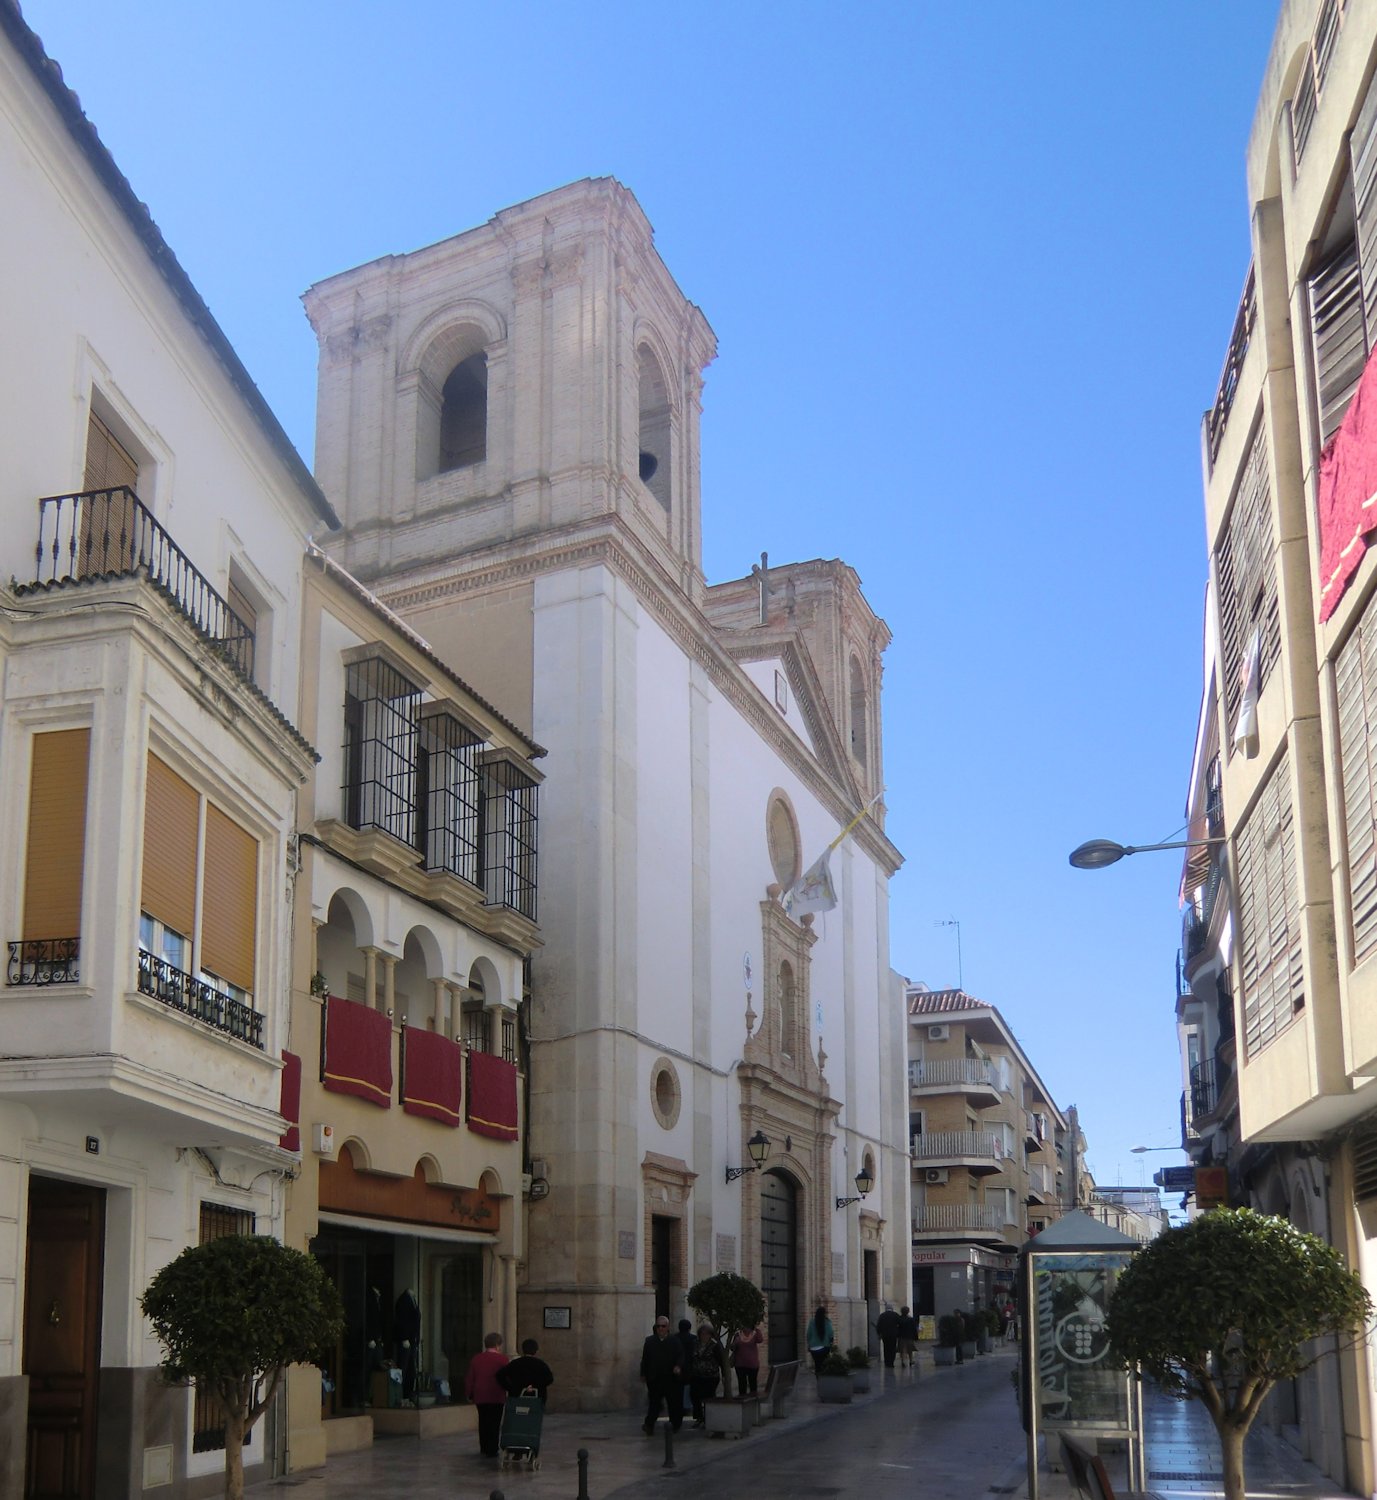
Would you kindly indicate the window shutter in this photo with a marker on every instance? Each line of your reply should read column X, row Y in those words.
column 109, row 463
column 1340, row 337
column 1247, row 578
column 55, row 856
column 1355, row 677
column 171, row 817
column 1363, row 155
column 231, row 900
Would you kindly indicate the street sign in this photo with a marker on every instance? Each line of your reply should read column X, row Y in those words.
column 1175, row 1179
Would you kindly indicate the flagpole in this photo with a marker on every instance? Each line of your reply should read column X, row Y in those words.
column 855, row 820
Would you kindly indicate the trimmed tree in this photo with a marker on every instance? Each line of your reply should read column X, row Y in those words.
column 1222, row 1308
column 731, row 1303
column 232, row 1314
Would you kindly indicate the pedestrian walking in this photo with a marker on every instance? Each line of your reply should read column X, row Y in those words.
column 706, row 1370
column 819, row 1335
column 906, row 1332
column 688, row 1342
column 484, row 1389
column 746, row 1359
column 662, row 1369
column 887, row 1326
column 526, row 1373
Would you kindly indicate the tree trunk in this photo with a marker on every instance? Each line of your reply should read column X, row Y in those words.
column 1231, row 1449
column 234, row 1456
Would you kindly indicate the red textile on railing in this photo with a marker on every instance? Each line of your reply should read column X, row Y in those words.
column 289, row 1107
column 1348, row 493
column 432, row 1075
column 357, row 1057
column 492, row 1096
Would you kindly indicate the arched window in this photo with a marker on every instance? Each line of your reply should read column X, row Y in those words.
column 654, row 427
column 464, row 414
column 788, row 1009
column 782, row 835
column 859, row 710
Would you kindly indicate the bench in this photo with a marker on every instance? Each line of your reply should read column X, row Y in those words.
column 779, row 1385
column 1088, row 1476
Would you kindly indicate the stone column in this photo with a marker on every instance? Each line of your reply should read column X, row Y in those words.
column 370, row 978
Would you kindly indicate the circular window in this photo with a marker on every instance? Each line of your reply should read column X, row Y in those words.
column 664, row 1092
column 781, row 832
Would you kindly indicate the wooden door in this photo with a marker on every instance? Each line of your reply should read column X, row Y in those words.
column 778, row 1260
column 66, row 1250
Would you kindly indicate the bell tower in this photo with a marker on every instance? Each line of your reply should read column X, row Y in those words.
column 537, row 377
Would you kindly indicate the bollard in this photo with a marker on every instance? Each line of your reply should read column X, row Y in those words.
column 583, row 1474
column 669, row 1447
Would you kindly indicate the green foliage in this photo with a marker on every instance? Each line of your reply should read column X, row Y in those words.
column 949, row 1330
column 857, row 1358
column 1242, row 1288
column 240, row 1306
column 994, row 1324
column 731, row 1303
column 834, row 1364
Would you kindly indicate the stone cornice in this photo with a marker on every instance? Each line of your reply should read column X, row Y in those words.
column 607, row 542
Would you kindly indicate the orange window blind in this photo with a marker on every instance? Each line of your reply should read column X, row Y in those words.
column 231, row 899
column 171, row 821
column 57, row 834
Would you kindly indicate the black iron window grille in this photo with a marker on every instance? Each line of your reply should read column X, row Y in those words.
column 509, row 838
column 193, row 997
column 380, row 734
column 509, row 1040
column 111, row 534
column 447, row 795
column 42, row 961
column 477, row 1028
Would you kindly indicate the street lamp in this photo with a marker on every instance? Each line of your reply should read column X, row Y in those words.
column 1138, row 1150
column 864, row 1183
column 758, row 1148
column 1095, row 854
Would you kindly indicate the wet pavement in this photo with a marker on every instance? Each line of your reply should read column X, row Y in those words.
column 948, row 1434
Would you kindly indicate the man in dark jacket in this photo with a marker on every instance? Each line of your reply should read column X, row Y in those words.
column 526, row 1373
column 662, row 1371
column 887, row 1326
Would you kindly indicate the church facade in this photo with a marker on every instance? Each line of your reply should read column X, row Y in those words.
column 508, row 427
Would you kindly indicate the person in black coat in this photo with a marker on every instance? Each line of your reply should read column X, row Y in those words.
column 526, row 1373
column 662, row 1369
column 887, row 1326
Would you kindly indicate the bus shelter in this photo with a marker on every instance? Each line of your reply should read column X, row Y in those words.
column 1068, row 1382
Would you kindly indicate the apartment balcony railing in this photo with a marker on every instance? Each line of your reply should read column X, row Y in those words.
column 1195, row 924
column 40, row 961
column 1208, row 1082
column 958, row 1218
column 1042, row 1182
column 960, row 1146
column 1217, row 418
column 203, row 1002
column 112, row 534
column 952, row 1072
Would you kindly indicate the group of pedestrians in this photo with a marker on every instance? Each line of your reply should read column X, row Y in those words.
column 492, row 1377
column 692, row 1365
column 898, row 1333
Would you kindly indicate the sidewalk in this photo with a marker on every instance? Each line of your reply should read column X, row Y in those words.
column 1182, row 1459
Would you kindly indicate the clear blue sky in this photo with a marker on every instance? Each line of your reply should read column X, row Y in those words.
column 973, row 271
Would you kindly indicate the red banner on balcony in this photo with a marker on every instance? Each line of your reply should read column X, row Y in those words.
column 289, row 1106
column 492, row 1096
column 432, row 1075
column 358, row 1052
column 1348, row 493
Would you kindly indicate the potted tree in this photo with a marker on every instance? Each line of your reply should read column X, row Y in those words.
column 948, row 1339
column 984, row 1340
column 834, row 1378
column 970, row 1332
column 858, row 1362
column 732, row 1305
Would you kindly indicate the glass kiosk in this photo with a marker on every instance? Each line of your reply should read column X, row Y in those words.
column 1066, row 1379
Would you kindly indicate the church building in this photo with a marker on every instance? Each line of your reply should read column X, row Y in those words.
column 508, row 428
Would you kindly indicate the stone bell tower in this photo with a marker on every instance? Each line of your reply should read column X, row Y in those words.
column 536, row 377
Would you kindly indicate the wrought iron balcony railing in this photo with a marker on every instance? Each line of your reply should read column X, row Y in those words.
column 194, row 997
column 40, row 961
column 1216, row 419
column 111, row 534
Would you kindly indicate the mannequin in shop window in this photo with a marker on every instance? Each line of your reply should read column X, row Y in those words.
column 406, row 1327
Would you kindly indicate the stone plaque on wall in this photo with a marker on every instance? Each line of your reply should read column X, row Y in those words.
column 838, row 1265
column 626, row 1244
column 726, row 1252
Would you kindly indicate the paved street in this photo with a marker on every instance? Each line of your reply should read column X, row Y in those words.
column 952, row 1434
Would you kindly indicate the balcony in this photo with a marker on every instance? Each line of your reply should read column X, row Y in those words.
column 1209, row 1080
column 978, row 1152
column 1217, row 418
column 1042, row 1184
column 199, row 1000
column 977, row 1221
column 974, row 1077
column 100, row 534
column 41, row 961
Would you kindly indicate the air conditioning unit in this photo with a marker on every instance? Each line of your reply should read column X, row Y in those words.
column 939, row 1033
column 935, row 1176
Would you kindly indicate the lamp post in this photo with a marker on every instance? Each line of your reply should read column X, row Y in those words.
column 758, row 1149
column 1095, row 854
column 864, row 1183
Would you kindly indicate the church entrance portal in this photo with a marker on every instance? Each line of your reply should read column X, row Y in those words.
column 779, row 1262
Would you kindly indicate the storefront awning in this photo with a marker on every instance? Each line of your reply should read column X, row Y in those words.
column 397, row 1226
